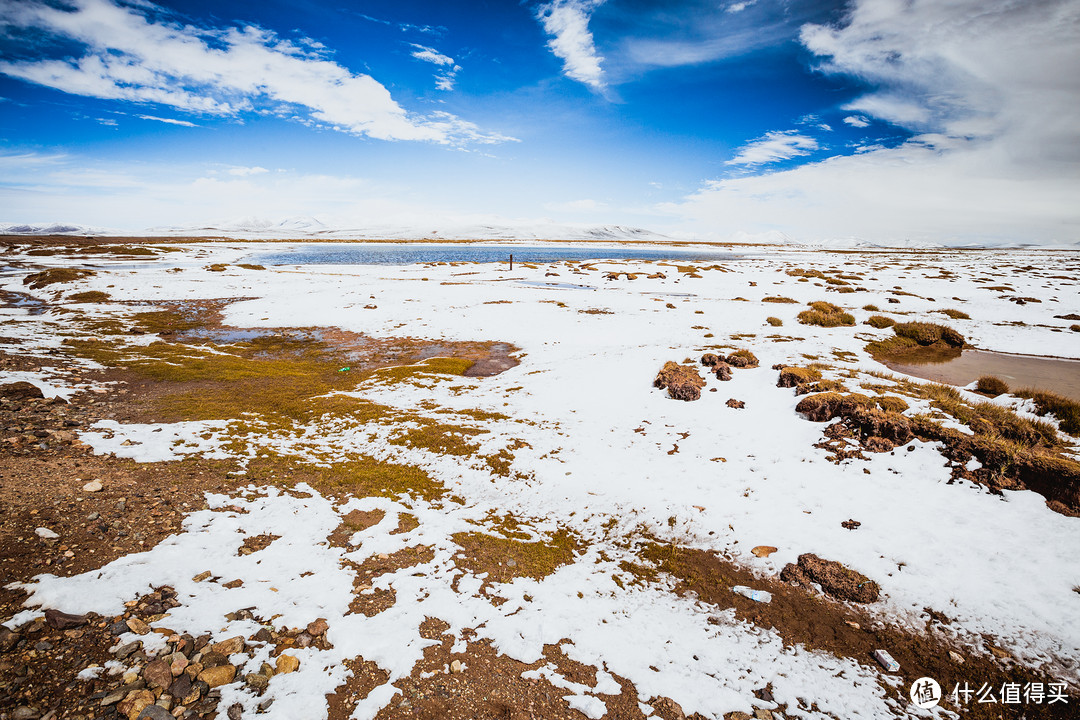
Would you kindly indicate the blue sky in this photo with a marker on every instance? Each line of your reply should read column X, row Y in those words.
column 877, row 119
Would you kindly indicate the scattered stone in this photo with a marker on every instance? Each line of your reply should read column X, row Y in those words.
column 850, row 524
column 24, row 712
column 304, row 640
column 205, row 575
column 287, row 664
column 137, row 626
column 135, row 703
column 181, row 688
column 762, row 714
column 158, row 674
column 737, row 404
column 155, row 712
column 235, row 712
column 93, row 486
column 62, row 620
column 763, row 551
column 682, row 381
column 20, row 391
column 127, row 649
column 317, row 628
column 456, row 667
column 8, row 639
column 999, row 653
column 956, row 657
column 177, row 663
column 45, row 533
column 219, row 675
column 835, row 579
column 852, row 624
column 114, row 697
column 668, row 709
column 723, row 371
column 257, row 681
column 229, row 647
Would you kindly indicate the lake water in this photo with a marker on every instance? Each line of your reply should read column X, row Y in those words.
column 409, row 253
column 1020, row 371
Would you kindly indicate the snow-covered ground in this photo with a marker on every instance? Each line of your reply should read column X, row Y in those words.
column 598, row 459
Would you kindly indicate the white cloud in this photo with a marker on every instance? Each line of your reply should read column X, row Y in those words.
column 170, row 121
column 567, row 22
column 998, row 150
column 246, row 171
column 445, row 79
column 857, row 121
column 738, row 7
column 774, row 147
column 134, row 54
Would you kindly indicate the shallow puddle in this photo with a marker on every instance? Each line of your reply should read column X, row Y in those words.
column 1019, row 371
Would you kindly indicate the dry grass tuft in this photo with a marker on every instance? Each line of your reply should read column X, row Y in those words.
column 991, row 385
column 880, row 321
column 825, row 314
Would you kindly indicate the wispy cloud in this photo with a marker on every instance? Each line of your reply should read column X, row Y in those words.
column 445, row 79
column 998, row 127
column 567, row 23
column 135, row 53
column 247, row 171
column 170, row 121
column 774, row 147
column 857, row 121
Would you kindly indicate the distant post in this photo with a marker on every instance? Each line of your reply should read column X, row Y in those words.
column 511, row 262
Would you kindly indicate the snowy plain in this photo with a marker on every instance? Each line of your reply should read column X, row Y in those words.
column 598, row 459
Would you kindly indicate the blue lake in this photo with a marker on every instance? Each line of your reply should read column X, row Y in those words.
column 410, row 253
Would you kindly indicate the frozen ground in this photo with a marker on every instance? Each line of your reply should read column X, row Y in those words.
column 600, row 452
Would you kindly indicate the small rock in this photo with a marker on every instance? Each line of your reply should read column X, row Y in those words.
column 177, row 663
column 93, row 516
column 127, row 649
column 155, row 712
column 853, row 624
column 287, row 664
column 256, row 681
column 229, row 647
column 317, row 628
column 135, row 703
column 137, row 626
column 45, row 533
column 511, row 562
column 158, row 674
column 999, row 653
column 93, row 486
column 114, row 697
column 456, row 667
column 304, row 640
column 762, row 551
column 43, row 646
column 850, row 524
column 737, row 404
column 202, row 576
column 235, row 712
column 20, row 391
column 63, row 621
column 762, row 714
column 956, row 657
column 8, row 639
column 25, row 713
column 219, row 675
column 737, row 716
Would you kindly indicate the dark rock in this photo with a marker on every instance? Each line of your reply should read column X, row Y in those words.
column 723, row 371
column 127, row 649
column 850, row 524
column 118, row 628
column 158, row 674
column 742, row 359
column 155, row 712
column 668, row 709
column 213, row 659
column 235, row 711
column 20, row 391
column 737, row 404
column 62, row 620
column 43, row 646
column 709, row 360
column 835, row 579
column 263, row 635
column 8, row 639
column 181, row 687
